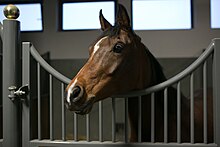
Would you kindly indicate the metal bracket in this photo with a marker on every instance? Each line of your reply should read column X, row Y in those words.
column 18, row 93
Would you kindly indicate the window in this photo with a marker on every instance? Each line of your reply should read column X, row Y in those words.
column 215, row 13
column 85, row 15
column 161, row 14
column 30, row 16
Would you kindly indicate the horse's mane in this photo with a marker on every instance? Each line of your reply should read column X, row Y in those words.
column 157, row 69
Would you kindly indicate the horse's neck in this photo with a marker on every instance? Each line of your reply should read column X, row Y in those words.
column 159, row 77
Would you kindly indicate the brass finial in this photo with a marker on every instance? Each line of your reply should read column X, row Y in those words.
column 11, row 12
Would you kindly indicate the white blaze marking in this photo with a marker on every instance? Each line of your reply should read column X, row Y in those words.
column 70, row 90
column 96, row 47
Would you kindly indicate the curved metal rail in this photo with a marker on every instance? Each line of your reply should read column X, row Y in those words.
column 209, row 50
column 48, row 67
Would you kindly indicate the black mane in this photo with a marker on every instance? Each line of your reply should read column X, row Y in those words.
column 157, row 67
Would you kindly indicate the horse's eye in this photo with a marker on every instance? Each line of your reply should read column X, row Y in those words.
column 118, row 48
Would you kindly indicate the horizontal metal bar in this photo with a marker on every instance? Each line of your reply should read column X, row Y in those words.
column 35, row 143
column 174, row 79
column 47, row 67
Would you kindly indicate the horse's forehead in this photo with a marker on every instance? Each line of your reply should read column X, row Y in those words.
column 97, row 45
column 122, row 36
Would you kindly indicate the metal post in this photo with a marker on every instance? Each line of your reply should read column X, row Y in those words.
column 11, row 77
column 26, row 118
column 216, row 92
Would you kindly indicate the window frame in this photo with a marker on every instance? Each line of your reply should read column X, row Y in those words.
column 214, row 28
column 79, row 1
column 164, row 29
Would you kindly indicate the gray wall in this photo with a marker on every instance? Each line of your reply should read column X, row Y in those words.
column 165, row 44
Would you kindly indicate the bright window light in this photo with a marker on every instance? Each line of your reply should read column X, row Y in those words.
column 161, row 14
column 85, row 15
column 215, row 13
column 30, row 16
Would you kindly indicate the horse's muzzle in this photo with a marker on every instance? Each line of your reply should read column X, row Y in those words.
column 76, row 101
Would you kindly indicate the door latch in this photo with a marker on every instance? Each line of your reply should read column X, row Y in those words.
column 18, row 93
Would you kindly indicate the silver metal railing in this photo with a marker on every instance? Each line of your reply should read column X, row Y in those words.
column 47, row 67
column 162, row 86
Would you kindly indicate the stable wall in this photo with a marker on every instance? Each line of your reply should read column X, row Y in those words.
column 163, row 44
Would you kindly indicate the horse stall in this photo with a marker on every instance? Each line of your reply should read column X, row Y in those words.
column 34, row 112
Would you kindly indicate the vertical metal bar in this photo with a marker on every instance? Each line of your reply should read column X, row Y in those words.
column 88, row 127
column 165, row 116
column 216, row 91
column 1, row 30
column 192, row 107
column 113, row 120
column 178, row 113
column 11, row 77
column 126, row 120
column 100, row 121
column 75, row 127
column 51, row 107
column 39, row 101
column 152, row 117
column 63, row 113
column 205, row 101
column 139, row 119
column 26, row 132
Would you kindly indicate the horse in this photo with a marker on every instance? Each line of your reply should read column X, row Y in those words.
column 119, row 62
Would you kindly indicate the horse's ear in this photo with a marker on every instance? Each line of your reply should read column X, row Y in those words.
column 122, row 17
column 104, row 23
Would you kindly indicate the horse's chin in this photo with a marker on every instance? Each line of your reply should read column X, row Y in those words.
column 84, row 108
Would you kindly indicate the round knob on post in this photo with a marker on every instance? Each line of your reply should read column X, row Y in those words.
column 11, row 12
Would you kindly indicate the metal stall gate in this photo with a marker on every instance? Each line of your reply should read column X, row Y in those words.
column 32, row 120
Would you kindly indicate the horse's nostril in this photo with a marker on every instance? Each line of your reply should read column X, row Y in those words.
column 76, row 94
column 76, row 91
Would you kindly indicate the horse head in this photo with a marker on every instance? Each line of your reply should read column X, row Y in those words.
column 117, row 63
